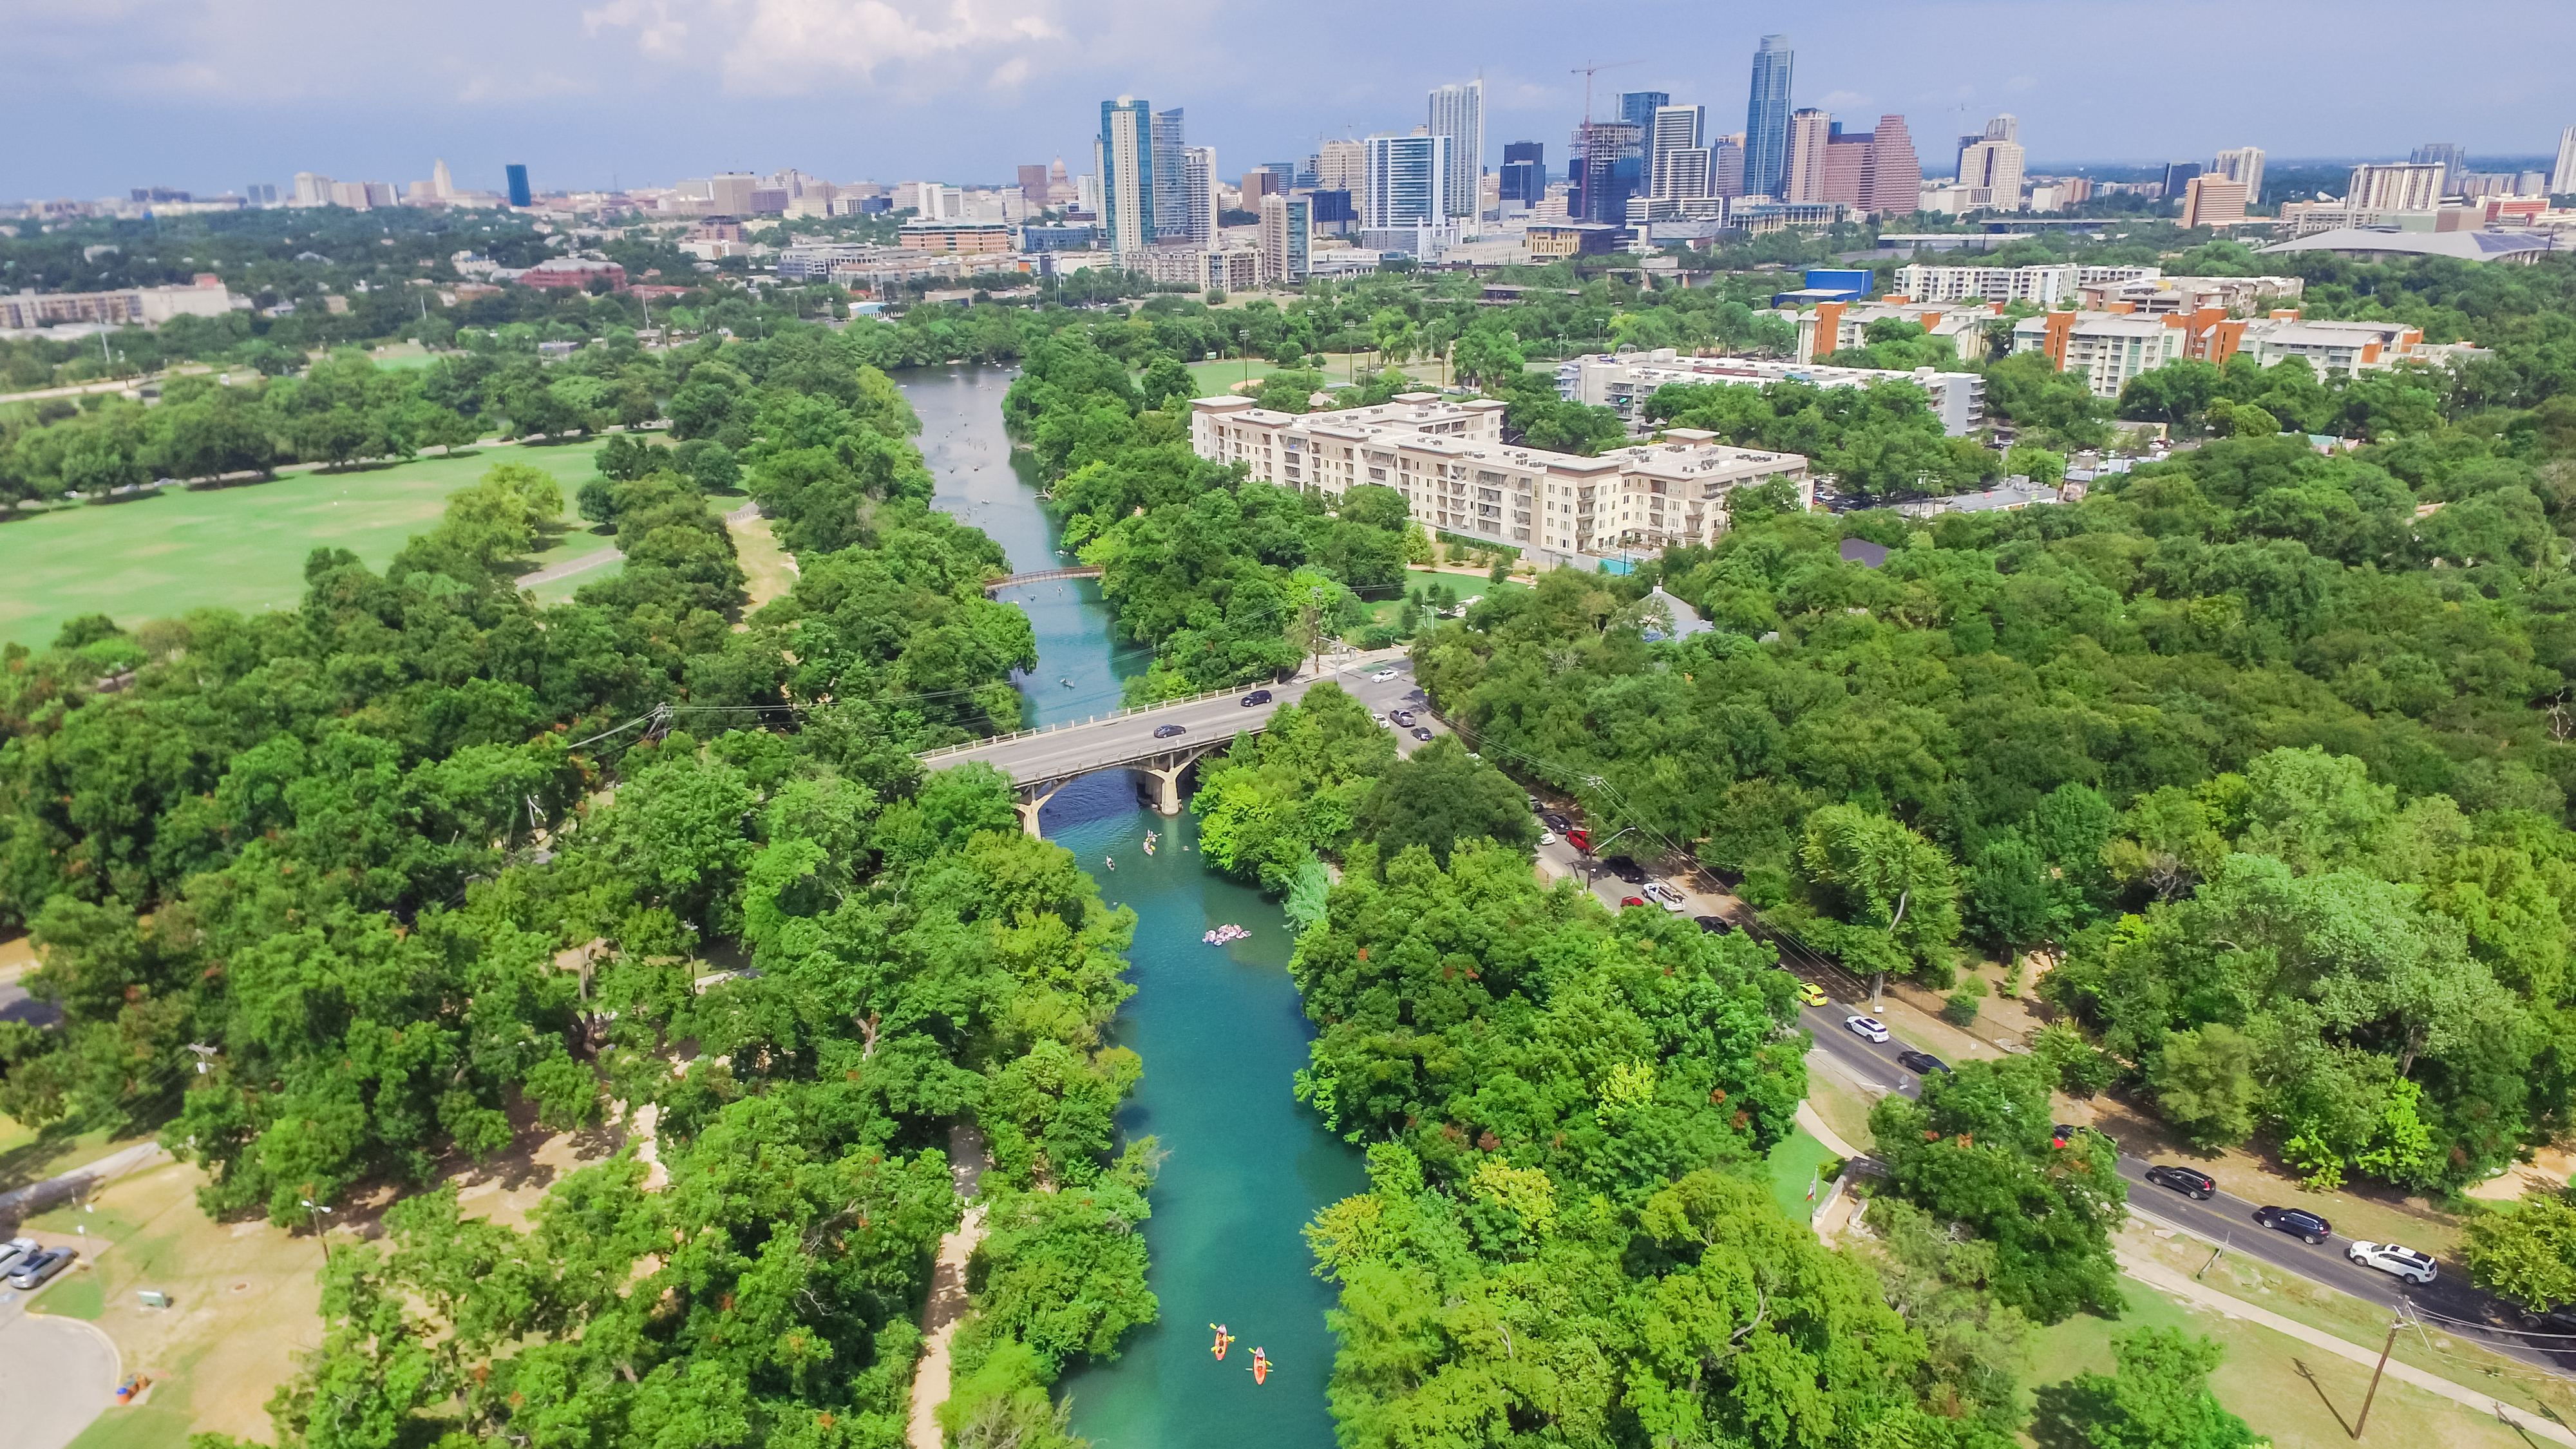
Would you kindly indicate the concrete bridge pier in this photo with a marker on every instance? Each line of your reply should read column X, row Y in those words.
column 1032, row 798
column 1165, row 771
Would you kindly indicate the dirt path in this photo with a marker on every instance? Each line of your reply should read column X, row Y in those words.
column 947, row 1292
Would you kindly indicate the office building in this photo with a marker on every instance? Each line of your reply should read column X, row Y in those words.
column 2416, row 186
column 1339, row 166
column 1458, row 114
column 2243, row 165
column 1169, row 141
column 1726, row 165
column 2562, row 179
column 729, row 193
column 1033, row 186
column 1257, row 183
column 2449, row 156
column 1609, row 166
column 2178, row 175
column 520, row 195
column 442, row 183
column 1198, row 196
column 1524, row 174
column 1811, row 131
column 1895, row 176
column 312, row 188
column 1287, row 238
column 944, row 237
column 1408, row 182
column 1123, row 158
column 150, row 306
column 1677, row 160
column 1457, row 475
column 1766, row 118
column 1993, row 163
column 260, row 193
column 2212, row 201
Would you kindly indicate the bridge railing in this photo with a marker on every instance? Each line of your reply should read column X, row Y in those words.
column 989, row 741
column 1087, row 571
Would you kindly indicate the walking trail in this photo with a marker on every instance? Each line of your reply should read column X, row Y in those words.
column 966, row 1162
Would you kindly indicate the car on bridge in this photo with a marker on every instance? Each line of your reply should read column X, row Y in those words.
column 1258, row 696
column 1165, row 732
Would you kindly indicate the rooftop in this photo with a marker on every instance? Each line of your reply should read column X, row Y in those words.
column 2468, row 246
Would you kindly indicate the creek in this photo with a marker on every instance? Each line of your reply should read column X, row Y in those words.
column 1244, row 1166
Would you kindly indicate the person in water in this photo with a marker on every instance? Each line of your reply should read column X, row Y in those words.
column 1113, row 861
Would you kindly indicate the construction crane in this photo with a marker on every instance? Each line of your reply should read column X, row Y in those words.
column 1587, row 72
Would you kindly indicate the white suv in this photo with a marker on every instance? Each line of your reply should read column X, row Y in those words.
column 2390, row 1258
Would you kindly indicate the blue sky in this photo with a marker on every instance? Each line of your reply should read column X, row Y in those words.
column 212, row 94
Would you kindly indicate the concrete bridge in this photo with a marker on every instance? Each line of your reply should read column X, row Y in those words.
column 1042, row 576
column 1042, row 761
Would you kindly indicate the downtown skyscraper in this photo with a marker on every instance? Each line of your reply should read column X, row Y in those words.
column 1122, row 156
column 1171, row 210
column 1766, row 118
column 1458, row 112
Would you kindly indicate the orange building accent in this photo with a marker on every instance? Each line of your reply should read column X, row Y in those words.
column 2061, row 325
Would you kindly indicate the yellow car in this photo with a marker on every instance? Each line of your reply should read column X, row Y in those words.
column 1809, row 994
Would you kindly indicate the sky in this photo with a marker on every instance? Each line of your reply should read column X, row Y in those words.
column 210, row 95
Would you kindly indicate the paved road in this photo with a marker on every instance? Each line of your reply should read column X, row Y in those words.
column 1061, row 754
column 56, row 1376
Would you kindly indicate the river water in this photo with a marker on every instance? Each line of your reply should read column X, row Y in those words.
column 1219, row 1028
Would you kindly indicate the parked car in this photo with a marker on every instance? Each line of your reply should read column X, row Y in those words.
column 1810, row 994
column 1165, row 732
column 1382, row 676
column 1867, row 1028
column 1627, row 901
column 1667, row 897
column 1421, row 733
column 1578, row 836
column 2062, row 1134
column 1403, row 717
column 1258, row 696
column 1922, row 1064
column 40, row 1265
column 1533, row 802
column 15, row 1251
column 1554, row 821
column 2299, row 1222
column 2190, row 1182
column 1626, row 869
column 1547, row 837
column 2405, row 1263
column 1712, row 925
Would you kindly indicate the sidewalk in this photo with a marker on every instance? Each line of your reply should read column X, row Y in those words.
column 18, row 1203
column 2166, row 1280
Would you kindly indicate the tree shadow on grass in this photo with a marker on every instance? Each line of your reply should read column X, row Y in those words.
column 2062, row 1414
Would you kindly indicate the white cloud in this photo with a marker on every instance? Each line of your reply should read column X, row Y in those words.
column 788, row 46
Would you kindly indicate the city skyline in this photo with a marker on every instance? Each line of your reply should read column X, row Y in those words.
column 584, row 95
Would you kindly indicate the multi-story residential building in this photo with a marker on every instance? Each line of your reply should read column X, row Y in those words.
column 1171, row 211
column 1287, row 238
column 312, row 188
column 1458, row 476
column 2107, row 348
column 965, row 237
column 150, row 306
column 2212, row 201
column 1766, row 118
column 2562, row 178
column 1726, row 166
column 2243, row 165
column 1677, row 163
column 1198, row 196
column 1123, row 159
column 1638, row 108
column 1811, row 132
column 2044, row 286
column 2412, row 187
column 1408, row 181
column 1831, row 327
column 1458, row 115
column 2449, row 155
column 1993, row 163
column 1198, row 267
column 1624, row 384
column 2158, row 296
column 1571, row 238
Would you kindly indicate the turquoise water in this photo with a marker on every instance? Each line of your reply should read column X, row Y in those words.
column 1219, row 1028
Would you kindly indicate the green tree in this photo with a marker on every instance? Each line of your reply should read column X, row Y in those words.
column 2526, row 1253
column 2206, row 1084
column 2157, row 1397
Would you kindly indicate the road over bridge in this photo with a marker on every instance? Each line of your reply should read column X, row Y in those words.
column 1042, row 761
column 1042, row 576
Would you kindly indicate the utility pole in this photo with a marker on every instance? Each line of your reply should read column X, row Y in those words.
column 2394, row 1324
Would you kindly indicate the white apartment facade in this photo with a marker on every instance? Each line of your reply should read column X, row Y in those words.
column 1829, row 328
column 1624, row 384
column 2044, row 286
column 2107, row 348
column 1457, row 476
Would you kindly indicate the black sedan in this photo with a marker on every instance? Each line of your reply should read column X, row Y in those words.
column 1421, row 733
column 1258, row 696
column 1712, row 925
column 1555, row 822
column 1165, row 732
column 2188, row 1181
column 1921, row 1063
column 2298, row 1222
column 1626, row 869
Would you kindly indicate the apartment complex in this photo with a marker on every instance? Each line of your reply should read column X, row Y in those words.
column 2212, row 201
column 1458, row 116
column 2110, row 348
column 2044, row 286
column 2157, row 296
column 1623, row 384
column 149, row 306
column 1233, row 270
column 1122, row 156
column 1449, row 461
column 2395, row 188
column 954, row 236
column 1830, row 327
column 1287, row 238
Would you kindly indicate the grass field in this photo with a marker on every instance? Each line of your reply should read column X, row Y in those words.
column 242, row 547
column 1216, row 377
column 1420, row 581
column 1795, row 1164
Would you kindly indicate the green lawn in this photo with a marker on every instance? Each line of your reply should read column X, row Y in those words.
column 1382, row 611
column 1214, row 378
column 242, row 547
column 1797, row 1162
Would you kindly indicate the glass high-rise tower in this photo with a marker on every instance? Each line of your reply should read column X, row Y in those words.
column 1123, row 159
column 1766, row 118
